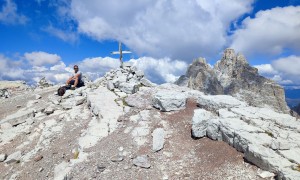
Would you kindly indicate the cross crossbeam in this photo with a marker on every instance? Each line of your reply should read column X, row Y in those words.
column 120, row 52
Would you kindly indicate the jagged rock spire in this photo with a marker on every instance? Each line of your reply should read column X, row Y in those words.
column 234, row 76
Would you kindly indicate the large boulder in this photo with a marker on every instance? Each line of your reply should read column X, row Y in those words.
column 267, row 138
column 169, row 100
column 199, row 122
column 128, row 88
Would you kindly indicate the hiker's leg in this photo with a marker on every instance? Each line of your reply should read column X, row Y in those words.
column 76, row 82
column 69, row 81
column 72, row 82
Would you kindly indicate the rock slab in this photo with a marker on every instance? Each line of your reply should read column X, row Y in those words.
column 142, row 161
column 169, row 100
column 158, row 139
column 15, row 157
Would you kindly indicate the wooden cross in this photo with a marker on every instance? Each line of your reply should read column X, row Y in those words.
column 121, row 53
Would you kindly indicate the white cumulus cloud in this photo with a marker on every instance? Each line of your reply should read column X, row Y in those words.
column 9, row 14
column 160, row 28
column 157, row 70
column 41, row 58
column 289, row 65
column 160, row 70
column 270, row 32
column 285, row 71
column 266, row 69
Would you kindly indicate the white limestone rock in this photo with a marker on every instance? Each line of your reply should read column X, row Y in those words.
column 5, row 126
column 292, row 155
column 119, row 80
column 142, row 161
column 158, row 139
column 139, row 73
column 169, row 100
column 266, row 158
column 199, row 122
column 266, row 175
column 146, row 82
column 110, row 86
column 49, row 110
column 37, row 96
column 79, row 100
column 129, row 88
column 15, row 157
column 18, row 117
column 67, row 105
column 3, row 157
column 217, row 102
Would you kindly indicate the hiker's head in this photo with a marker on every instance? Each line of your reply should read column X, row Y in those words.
column 76, row 68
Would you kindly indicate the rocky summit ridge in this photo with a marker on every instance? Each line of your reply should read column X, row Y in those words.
column 122, row 126
column 232, row 75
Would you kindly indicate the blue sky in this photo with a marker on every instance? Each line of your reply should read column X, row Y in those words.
column 46, row 37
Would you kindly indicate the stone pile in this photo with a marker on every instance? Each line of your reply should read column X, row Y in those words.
column 128, row 80
column 43, row 83
column 232, row 75
column 4, row 93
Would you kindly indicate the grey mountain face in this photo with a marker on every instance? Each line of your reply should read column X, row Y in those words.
column 232, row 75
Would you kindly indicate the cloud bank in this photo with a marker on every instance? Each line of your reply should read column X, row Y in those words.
column 41, row 58
column 176, row 29
column 35, row 65
column 9, row 14
column 271, row 32
column 285, row 71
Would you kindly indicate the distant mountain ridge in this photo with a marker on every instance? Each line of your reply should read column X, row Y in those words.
column 232, row 75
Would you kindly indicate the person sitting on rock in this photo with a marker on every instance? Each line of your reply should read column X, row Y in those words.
column 75, row 81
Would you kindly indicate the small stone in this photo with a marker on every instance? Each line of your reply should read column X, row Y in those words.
column 100, row 168
column 266, row 174
column 166, row 177
column 110, row 85
column 49, row 110
column 139, row 73
column 15, row 157
column 38, row 158
column 117, row 158
column 41, row 169
column 79, row 100
column 142, row 161
column 121, row 148
column 37, row 96
column 126, row 167
column 19, row 106
column 3, row 157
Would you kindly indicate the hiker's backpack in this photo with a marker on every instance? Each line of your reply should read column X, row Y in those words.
column 61, row 91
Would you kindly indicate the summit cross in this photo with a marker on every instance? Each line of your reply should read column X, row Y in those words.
column 121, row 53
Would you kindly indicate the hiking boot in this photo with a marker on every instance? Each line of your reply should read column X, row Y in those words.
column 73, row 88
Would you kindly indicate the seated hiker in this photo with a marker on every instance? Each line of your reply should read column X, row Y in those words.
column 75, row 81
